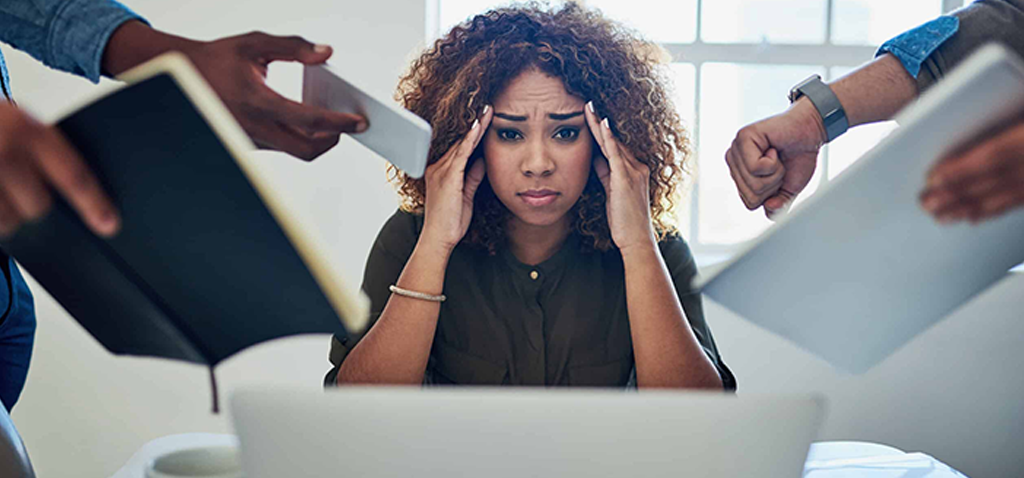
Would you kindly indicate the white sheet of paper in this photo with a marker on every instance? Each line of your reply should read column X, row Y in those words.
column 860, row 268
column 396, row 134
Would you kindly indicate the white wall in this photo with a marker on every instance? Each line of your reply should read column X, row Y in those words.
column 953, row 392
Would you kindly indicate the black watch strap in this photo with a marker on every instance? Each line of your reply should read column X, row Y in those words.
column 825, row 101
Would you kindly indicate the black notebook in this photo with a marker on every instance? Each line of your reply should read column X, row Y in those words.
column 207, row 263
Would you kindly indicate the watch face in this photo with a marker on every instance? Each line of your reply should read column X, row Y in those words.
column 795, row 93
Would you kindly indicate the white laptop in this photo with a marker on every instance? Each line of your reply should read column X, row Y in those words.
column 517, row 433
column 860, row 268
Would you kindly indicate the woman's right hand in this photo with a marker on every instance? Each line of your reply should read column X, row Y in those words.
column 450, row 189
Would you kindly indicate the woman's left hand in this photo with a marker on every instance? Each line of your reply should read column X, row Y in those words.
column 626, row 183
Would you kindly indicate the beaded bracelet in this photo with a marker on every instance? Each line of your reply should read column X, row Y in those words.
column 417, row 295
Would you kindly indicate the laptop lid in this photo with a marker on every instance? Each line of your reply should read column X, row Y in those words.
column 513, row 433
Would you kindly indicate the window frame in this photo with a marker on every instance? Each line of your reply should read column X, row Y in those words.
column 826, row 54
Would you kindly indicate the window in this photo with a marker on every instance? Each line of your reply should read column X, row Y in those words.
column 736, row 60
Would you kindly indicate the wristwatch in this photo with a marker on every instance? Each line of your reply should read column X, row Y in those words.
column 825, row 101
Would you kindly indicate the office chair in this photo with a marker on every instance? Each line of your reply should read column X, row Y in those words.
column 14, row 462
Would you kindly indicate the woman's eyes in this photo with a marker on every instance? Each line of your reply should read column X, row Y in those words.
column 509, row 135
column 567, row 134
column 563, row 134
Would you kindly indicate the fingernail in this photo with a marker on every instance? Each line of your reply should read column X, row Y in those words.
column 604, row 123
column 590, row 106
column 955, row 215
column 320, row 48
column 361, row 126
column 487, row 108
column 109, row 223
column 931, row 204
column 476, row 123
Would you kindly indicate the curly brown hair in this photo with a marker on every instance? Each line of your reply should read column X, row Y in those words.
column 596, row 59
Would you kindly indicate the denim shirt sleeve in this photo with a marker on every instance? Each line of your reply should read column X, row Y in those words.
column 913, row 47
column 5, row 90
column 936, row 48
column 69, row 35
column 17, row 331
column 5, row 291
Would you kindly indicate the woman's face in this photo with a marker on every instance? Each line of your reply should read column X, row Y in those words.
column 538, row 148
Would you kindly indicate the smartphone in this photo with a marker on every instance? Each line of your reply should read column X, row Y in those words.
column 394, row 133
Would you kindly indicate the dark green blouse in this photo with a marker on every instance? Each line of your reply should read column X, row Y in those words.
column 561, row 322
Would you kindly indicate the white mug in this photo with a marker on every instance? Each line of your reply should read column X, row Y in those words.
column 206, row 462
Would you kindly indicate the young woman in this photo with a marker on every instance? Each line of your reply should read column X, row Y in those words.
column 538, row 249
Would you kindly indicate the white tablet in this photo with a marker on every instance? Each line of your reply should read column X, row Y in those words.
column 396, row 134
column 860, row 268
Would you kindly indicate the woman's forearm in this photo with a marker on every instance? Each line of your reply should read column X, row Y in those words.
column 396, row 348
column 667, row 353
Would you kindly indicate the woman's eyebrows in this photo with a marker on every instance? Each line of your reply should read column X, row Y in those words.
column 506, row 116
column 554, row 116
column 564, row 116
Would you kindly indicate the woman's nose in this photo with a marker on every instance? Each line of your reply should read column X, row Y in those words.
column 538, row 163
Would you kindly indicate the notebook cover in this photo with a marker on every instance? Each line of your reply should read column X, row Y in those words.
column 200, row 269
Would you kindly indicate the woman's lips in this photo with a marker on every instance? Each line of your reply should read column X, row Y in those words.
column 538, row 197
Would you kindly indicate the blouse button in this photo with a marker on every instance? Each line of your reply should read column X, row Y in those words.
column 534, row 275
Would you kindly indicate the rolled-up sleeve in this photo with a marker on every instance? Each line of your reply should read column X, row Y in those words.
column 68, row 35
column 930, row 51
column 913, row 47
